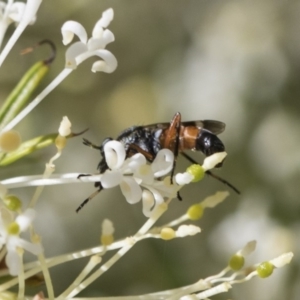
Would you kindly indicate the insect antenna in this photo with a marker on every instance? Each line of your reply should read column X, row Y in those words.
column 89, row 198
column 212, row 174
column 90, row 144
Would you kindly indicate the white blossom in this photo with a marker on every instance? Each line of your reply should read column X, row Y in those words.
column 186, row 230
column 136, row 178
column 20, row 13
column 95, row 46
column 65, row 127
column 12, row 241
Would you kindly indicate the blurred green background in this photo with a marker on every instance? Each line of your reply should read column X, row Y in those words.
column 232, row 61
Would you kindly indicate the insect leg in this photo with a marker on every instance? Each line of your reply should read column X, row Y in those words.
column 89, row 198
column 172, row 139
column 212, row 174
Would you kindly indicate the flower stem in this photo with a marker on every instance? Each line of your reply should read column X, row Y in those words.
column 157, row 213
column 21, row 277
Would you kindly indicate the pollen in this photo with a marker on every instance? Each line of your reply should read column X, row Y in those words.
column 265, row 269
column 167, row 234
column 13, row 228
column 12, row 202
column 195, row 212
column 197, row 171
column 10, row 141
column 107, row 240
column 236, row 262
column 60, row 142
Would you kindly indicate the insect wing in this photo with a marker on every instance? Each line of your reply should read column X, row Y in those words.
column 215, row 127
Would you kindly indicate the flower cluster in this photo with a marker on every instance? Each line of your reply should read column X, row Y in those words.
column 95, row 46
column 139, row 180
column 11, row 226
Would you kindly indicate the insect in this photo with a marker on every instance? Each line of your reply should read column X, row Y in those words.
column 177, row 136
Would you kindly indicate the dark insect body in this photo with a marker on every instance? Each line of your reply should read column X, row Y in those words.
column 176, row 136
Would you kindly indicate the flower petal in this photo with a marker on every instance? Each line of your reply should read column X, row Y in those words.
column 133, row 163
column 107, row 65
column 30, row 247
column 24, row 220
column 95, row 44
column 31, row 9
column 148, row 202
column 163, row 162
column 131, row 190
column 70, row 28
column 114, row 154
column 100, row 43
column 144, row 172
column 6, row 217
column 211, row 161
column 13, row 262
column 183, row 178
column 158, row 199
column 107, row 17
column 16, row 11
column 65, row 127
column 72, row 52
column 111, row 179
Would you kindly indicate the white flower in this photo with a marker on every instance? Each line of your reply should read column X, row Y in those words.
column 211, row 161
column 187, row 230
column 65, row 127
column 9, row 237
column 20, row 13
column 134, row 175
column 282, row 260
column 95, row 46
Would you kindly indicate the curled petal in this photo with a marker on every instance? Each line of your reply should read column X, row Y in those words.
column 144, row 172
column 133, row 163
column 94, row 44
column 163, row 162
column 158, row 199
column 73, row 51
column 108, row 36
column 100, row 43
column 114, row 154
column 107, row 17
column 131, row 190
column 107, row 65
column 111, row 179
column 148, row 202
column 70, row 28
